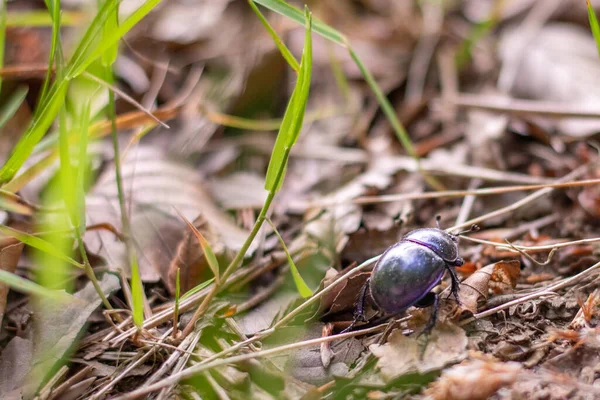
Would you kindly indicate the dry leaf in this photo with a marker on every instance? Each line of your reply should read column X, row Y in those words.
column 402, row 354
column 344, row 295
column 474, row 289
column 189, row 257
column 154, row 186
column 505, row 275
column 560, row 65
column 239, row 190
column 586, row 312
column 25, row 362
column 473, row 380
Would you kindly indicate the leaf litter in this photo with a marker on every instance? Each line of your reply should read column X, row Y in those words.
column 507, row 336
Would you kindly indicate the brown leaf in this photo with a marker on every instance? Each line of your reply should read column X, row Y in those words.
column 586, row 312
column 402, row 354
column 546, row 68
column 474, row 380
column 189, row 256
column 474, row 290
column 154, row 187
column 25, row 362
column 505, row 275
column 344, row 295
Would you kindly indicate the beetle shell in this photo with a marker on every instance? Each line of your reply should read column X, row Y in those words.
column 404, row 274
column 440, row 242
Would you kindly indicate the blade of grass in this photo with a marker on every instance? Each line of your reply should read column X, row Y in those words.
column 29, row 287
column 293, row 117
column 176, row 311
column 54, row 10
column 209, row 254
column 39, row 125
column 137, row 291
column 386, row 106
column 137, row 287
column 110, row 55
column 37, row 243
column 283, row 8
column 12, row 104
column 196, row 289
column 111, row 38
column 329, row 33
column 302, row 287
column 276, row 182
column 88, row 50
column 594, row 24
column 285, row 52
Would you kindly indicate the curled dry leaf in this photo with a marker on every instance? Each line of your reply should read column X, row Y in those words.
column 401, row 355
column 586, row 312
column 344, row 295
column 499, row 276
column 560, row 65
column 189, row 257
column 474, row 380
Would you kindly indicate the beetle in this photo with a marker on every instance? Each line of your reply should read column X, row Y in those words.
column 407, row 271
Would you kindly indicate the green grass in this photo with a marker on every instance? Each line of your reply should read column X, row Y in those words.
column 286, row 137
column 96, row 50
column 26, row 286
column 13, row 103
column 594, row 24
column 292, row 119
column 89, row 49
column 301, row 286
column 335, row 36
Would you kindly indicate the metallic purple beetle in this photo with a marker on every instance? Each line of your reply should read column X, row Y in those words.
column 407, row 271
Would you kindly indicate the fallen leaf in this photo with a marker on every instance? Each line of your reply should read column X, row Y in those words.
column 505, row 275
column 474, row 290
column 191, row 259
column 306, row 364
column 550, row 61
column 154, row 187
column 25, row 362
column 344, row 295
column 239, row 190
column 474, row 380
column 401, row 355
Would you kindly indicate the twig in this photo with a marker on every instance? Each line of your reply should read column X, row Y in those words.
column 572, row 175
column 523, row 107
column 549, row 291
column 452, row 193
column 532, row 248
column 191, row 371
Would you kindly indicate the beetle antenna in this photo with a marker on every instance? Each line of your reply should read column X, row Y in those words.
column 473, row 228
column 437, row 220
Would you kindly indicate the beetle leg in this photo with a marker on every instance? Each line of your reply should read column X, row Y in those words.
column 359, row 310
column 455, row 282
column 430, row 299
